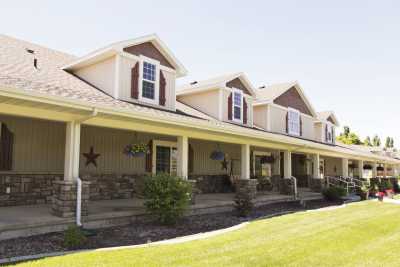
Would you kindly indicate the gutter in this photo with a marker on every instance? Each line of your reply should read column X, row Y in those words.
column 200, row 125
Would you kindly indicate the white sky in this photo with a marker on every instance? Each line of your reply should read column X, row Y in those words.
column 345, row 54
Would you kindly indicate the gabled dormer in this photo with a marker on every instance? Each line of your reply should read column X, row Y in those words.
column 284, row 108
column 226, row 98
column 141, row 70
column 325, row 127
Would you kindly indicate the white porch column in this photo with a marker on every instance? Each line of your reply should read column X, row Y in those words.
column 345, row 167
column 245, row 161
column 374, row 170
column 316, row 166
column 287, row 158
column 361, row 169
column 72, row 151
column 183, row 156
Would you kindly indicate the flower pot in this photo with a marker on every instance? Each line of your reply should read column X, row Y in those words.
column 138, row 154
column 364, row 195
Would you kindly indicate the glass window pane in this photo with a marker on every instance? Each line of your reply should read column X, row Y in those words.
column 163, row 155
column 237, row 113
column 238, row 99
column 148, row 90
column 149, row 71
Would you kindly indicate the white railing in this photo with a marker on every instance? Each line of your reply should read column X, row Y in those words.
column 78, row 201
column 340, row 181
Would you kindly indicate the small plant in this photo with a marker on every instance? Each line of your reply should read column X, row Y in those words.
column 243, row 205
column 167, row 197
column 364, row 192
column 334, row 193
column 74, row 237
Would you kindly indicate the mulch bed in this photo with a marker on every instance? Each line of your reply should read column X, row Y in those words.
column 140, row 233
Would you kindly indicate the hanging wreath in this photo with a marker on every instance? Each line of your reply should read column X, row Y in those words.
column 380, row 168
column 136, row 150
column 367, row 167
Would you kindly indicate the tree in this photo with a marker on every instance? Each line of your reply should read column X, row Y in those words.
column 367, row 141
column 346, row 131
column 387, row 142
column 349, row 138
column 392, row 143
column 376, row 141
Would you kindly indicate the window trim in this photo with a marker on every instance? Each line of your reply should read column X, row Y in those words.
column 331, row 132
column 235, row 90
column 154, row 101
column 290, row 132
column 156, row 143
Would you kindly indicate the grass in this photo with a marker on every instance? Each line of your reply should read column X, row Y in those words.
column 361, row 234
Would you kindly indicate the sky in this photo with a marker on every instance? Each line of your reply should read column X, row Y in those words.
column 344, row 54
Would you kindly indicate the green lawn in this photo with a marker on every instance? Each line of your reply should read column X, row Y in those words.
column 362, row 234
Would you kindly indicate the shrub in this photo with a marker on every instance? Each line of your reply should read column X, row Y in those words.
column 243, row 205
column 334, row 193
column 167, row 197
column 74, row 237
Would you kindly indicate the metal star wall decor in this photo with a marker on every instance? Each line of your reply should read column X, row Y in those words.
column 91, row 157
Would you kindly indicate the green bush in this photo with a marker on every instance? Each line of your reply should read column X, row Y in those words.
column 167, row 197
column 74, row 237
column 243, row 205
column 334, row 193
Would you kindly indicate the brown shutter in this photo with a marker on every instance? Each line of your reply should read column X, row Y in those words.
column 244, row 111
column 191, row 159
column 326, row 133
column 135, row 81
column 287, row 122
column 162, row 89
column 6, row 148
column 230, row 107
column 301, row 126
column 149, row 158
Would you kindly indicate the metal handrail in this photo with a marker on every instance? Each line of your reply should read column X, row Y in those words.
column 348, row 184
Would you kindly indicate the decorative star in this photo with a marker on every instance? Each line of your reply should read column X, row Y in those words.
column 91, row 157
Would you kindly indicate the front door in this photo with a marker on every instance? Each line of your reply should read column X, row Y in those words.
column 166, row 159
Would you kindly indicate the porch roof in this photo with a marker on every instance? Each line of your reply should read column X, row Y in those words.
column 51, row 88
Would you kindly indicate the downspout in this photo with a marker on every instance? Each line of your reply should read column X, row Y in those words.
column 78, row 179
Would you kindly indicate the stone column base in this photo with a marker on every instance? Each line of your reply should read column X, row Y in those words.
column 64, row 199
column 246, row 188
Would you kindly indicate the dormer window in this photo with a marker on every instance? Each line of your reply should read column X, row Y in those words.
column 330, row 133
column 149, row 90
column 149, row 80
column 293, row 122
column 237, row 105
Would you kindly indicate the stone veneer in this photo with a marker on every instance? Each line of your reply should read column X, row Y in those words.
column 246, row 188
column 64, row 198
column 27, row 189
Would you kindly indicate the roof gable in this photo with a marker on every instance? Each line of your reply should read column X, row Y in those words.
column 149, row 50
column 150, row 45
column 237, row 83
column 292, row 98
column 328, row 116
column 331, row 120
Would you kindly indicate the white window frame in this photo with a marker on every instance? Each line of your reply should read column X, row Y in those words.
column 154, row 101
column 330, row 131
column 234, row 90
column 290, row 130
column 156, row 143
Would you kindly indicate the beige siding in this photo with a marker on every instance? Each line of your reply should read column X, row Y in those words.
column 207, row 102
column 333, row 166
column 278, row 119
column 126, row 64
column 101, row 75
column 319, row 134
column 203, row 165
column 260, row 116
column 110, row 143
column 38, row 145
column 308, row 127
